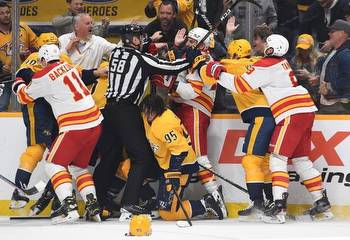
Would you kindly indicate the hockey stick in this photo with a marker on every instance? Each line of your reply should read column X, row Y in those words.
column 30, row 191
column 7, row 81
column 188, row 222
column 224, row 16
column 225, row 179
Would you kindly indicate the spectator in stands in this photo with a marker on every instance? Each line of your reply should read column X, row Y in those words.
column 304, row 64
column 267, row 14
column 64, row 24
column 84, row 48
column 303, row 6
column 322, row 14
column 27, row 39
column 203, row 12
column 184, row 10
column 165, row 27
column 288, row 21
column 335, row 73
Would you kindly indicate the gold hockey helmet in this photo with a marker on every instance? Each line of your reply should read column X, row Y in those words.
column 140, row 225
column 47, row 38
column 239, row 48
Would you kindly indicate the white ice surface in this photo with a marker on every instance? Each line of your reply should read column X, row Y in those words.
column 208, row 229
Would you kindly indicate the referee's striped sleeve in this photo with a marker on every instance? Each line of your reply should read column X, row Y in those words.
column 157, row 66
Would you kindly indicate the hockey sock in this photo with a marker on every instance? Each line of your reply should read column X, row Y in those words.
column 22, row 178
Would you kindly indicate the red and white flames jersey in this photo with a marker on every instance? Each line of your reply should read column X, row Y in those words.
column 71, row 102
column 276, row 79
column 192, row 91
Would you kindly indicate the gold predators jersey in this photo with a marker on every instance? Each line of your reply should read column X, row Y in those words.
column 99, row 88
column 168, row 136
column 250, row 104
column 27, row 40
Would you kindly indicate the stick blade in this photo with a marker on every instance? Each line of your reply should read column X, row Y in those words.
column 183, row 224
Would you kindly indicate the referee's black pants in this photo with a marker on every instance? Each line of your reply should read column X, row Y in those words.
column 122, row 127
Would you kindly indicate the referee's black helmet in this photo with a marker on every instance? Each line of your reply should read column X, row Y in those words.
column 129, row 31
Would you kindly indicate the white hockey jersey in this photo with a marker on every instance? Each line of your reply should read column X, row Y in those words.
column 71, row 102
column 276, row 79
column 191, row 90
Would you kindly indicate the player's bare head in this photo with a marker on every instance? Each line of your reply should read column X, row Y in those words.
column 5, row 14
column 261, row 32
column 152, row 106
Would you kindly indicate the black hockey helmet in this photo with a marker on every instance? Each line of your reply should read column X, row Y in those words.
column 130, row 30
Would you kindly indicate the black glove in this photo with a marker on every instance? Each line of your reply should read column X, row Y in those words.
column 195, row 57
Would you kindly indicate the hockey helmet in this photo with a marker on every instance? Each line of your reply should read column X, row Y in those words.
column 129, row 30
column 198, row 34
column 47, row 38
column 49, row 53
column 276, row 45
column 140, row 225
column 239, row 48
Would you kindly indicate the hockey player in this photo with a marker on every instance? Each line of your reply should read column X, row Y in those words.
column 171, row 145
column 41, row 126
column 294, row 113
column 255, row 111
column 195, row 100
column 78, row 119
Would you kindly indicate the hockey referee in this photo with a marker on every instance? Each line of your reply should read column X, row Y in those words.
column 129, row 70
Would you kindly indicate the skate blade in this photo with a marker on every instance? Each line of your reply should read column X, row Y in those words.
column 71, row 217
column 325, row 216
column 18, row 204
column 274, row 219
column 251, row 218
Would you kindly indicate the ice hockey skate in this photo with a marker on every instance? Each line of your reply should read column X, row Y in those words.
column 128, row 210
column 277, row 214
column 212, row 206
column 321, row 209
column 219, row 197
column 42, row 202
column 18, row 200
column 92, row 208
column 253, row 213
column 68, row 212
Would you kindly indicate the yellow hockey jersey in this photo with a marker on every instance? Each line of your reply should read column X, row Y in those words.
column 27, row 39
column 168, row 136
column 250, row 104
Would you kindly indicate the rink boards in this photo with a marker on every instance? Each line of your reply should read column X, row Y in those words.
column 330, row 154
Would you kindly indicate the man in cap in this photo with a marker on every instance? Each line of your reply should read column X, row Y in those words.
column 334, row 83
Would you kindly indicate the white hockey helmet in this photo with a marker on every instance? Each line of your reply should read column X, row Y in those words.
column 198, row 34
column 49, row 53
column 276, row 45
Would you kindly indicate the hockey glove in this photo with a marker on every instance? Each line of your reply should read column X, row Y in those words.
column 194, row 56
column 168, row 184
column 17, row 84
column 214, row 69
column 2, row 89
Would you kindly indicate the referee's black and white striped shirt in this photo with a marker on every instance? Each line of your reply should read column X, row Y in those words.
column 129, row 70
